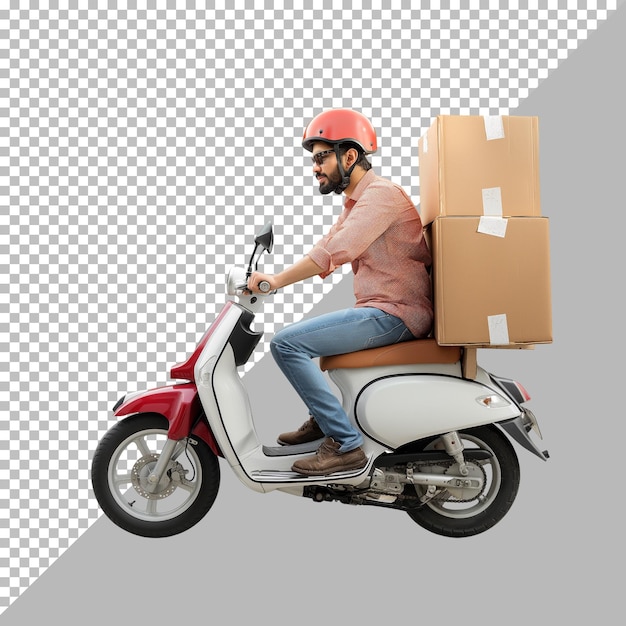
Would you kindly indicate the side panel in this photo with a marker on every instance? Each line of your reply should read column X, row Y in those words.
column 222, row 394
column 234, row 407
column 398, row 409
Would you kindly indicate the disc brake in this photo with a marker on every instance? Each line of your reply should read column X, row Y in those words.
column 172, row 478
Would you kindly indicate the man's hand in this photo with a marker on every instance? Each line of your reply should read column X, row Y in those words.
column 303, row 269
column 257, row 278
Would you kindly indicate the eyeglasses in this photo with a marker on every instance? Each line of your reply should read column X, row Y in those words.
column 320, row 157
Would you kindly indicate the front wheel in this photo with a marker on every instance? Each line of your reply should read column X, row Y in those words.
column 463, row 512
column 123, row 463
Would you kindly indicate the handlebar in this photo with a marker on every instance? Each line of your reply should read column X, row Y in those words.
column 235, row 284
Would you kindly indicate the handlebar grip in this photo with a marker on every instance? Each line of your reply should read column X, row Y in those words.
column 264, row 286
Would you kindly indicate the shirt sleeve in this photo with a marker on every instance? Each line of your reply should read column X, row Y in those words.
column 359, row 226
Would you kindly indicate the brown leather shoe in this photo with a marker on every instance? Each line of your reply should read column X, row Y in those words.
column 309, row 431
column 328, row 460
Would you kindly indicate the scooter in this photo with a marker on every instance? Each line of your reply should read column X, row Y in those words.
column 437, row 432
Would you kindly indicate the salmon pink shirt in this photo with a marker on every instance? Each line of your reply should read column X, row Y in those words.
column 380, row 233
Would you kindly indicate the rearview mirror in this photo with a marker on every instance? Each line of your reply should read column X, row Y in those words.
column 265, row 238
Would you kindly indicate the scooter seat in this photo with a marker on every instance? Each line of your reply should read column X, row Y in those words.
column 405, row 353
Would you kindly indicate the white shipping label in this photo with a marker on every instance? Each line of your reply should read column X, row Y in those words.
column 492, row 201
column 494, row 128
column 498, row 330
column 492, row 225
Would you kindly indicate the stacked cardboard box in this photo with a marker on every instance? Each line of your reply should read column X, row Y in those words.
column 479, row 199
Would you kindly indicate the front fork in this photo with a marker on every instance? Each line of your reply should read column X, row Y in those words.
column 166, row 456
column 172, row 449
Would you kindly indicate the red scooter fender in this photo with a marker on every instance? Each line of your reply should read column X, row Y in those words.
column 179, row 404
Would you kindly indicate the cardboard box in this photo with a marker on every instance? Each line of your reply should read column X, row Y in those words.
column 479, row 165
column 491, row 290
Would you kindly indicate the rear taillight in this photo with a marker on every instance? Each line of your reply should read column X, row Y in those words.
column 523, row 391
column 514, row 389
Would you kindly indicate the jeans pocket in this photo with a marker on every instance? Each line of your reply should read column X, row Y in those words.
column 407, row 335
column 392, row 331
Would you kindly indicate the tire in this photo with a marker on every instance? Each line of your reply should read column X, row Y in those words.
column 123, row 460
column 464, row 514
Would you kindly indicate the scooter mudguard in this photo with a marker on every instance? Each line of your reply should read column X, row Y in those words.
column 179, row 404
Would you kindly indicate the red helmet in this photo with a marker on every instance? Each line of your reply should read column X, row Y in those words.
column 338, row 126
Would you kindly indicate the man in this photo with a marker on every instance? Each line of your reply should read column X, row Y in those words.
column 380, row 233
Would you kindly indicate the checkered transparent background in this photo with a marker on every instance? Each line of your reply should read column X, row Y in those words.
column 142, row 147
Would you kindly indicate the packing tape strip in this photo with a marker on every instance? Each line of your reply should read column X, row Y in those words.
column 498, row 330
column 492, row 225
column 492, row 201
column 494, row 128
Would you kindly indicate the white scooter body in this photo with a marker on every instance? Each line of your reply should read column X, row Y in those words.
column 436, row 434
column 390, row 405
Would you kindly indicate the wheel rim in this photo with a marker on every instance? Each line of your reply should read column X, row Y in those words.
column 465, row 505
column 132, row 463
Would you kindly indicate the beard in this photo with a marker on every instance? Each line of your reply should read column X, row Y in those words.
column 330, row 183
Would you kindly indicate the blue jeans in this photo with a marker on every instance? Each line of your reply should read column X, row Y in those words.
column 347, row 330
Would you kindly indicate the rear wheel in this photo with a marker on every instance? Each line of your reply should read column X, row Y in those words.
column 461, row 512
column 122, row 464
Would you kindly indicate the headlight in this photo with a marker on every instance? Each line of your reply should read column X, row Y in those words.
column 236, row 281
